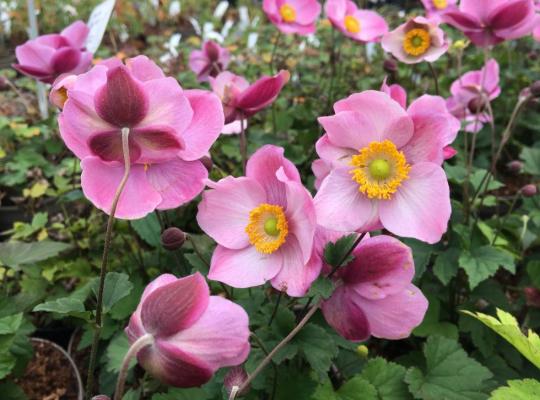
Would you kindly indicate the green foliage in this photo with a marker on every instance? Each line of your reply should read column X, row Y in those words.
column 16, row 254
column 482, row 262
column 526, row 389
column 334, row 253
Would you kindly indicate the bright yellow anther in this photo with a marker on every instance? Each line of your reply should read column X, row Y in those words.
column 416, row 42
column 288, row 13
column 352, row 24
column 440, row 4
column 267, row 228
column 379, row 169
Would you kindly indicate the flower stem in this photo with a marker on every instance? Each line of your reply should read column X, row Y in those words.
column 104, row 261
column 344, row 258
column 435, row 78
column 138, row 345
column 243, row 144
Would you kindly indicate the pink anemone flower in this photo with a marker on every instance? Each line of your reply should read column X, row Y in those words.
column 470, row 94
column 415, row 41
column 374, row 294
column 490, row 22
column 386, row 167
column 48, row 56
column 360, row 25
column 436, row 8
column 430, row 115
column 240, row 99
column 293, row 16
column 264, row 224
column 169, row 131
column 58, row 93
column 192, row 333
column 209, row 61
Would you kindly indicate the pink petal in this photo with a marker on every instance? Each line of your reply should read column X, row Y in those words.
column 224, row 211
column 108, row 147
column 206, row 124
column 175, row 306
column 480, row 8
column 262, row 93
column 350, row 129
column 510, row 14
column 372, row 26
column 65, row 60
column 36, row 56
column 76, row 33
column 395, row 316
column 262, row 167
column 244, row 268
column 386, row 115
column 462, row 21
column 396, row 92
column 177, row 181
column 307, row 11
column 144, row 69
column 345, row 316
column 331, row 153
column 99, row 181
column 321, row 169
column 156, row 143
column 421, row 206
column 341, row 206
column 122, row 101
column 220, row 338
column 382, row 266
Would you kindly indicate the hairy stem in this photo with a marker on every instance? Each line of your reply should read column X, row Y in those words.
column 138, row 345
column 435, row 78
column 104, row 261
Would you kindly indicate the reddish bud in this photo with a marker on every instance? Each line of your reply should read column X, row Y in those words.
column 172, row 238
column 515, row 166
column 101, row 397
column 535, row 89
column 3, row 83
column 529, row 190
column 235, row 377
column 390, row 66
column 207, row 162
column 532, row 295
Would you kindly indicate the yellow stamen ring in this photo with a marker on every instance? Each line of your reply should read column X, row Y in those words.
column 267, row 228
column 380, row 168
column 440, row 4
column 417, row 41
column 288, row 13
column 352, row 24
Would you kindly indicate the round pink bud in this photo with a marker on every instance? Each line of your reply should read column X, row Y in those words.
column 532, row 295
column 515, row 166
column 235, row 377
column 173, row 238
column 535, row 89
column 390, row 66
column 529, row 190
column 101, row 397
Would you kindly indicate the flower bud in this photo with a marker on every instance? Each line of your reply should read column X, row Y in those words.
column 235, row 377
column 532, row 295
column 362, row 351
column 3, row 83
column 515, row 166
column 477, row 105
column 535, row 89
column 529, row 190
column 101, row 397
column 207, row 162
column 390, row 66
column 172, row 238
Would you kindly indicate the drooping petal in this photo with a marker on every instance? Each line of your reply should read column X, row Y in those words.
column 341, row 206
column 224, row 211
column 175, row 306
column 345, row 316
column 220, row 337
column 244, row 268
column 462, row 21
column 395, row 316
column 177, row 181
column 261, row 93
column 108, row 146
column 421, row 206
column 206, row 124
column 99, row 181
column 156, row 143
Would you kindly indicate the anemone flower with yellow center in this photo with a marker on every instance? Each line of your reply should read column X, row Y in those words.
column 287, row 12
column 440, row 4
column 352, row 24
column 293, row 16
column 264, row 224
column 385, row 167
column 415, row 41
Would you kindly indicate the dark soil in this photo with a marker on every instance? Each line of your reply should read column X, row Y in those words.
column 49, row 375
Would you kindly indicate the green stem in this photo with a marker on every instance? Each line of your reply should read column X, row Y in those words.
column 138, row 345
column 104, row 261
column 243, row 144
column 435, row 78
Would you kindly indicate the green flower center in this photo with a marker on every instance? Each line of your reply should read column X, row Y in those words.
column 270, row 226
column 379, row 169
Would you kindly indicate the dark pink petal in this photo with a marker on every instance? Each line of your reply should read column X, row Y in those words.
column 345, row 316
column 382, row 266
column 262, row 93
column 122, row 101
column 76, row 34
column 449, row 152
column 108, row 147
column 156, row 143
column 462, row 21
column 510, row 14
column 99, row 181
column 175, row 306
column 40, row 74
column 174, row 367
column 262, row 167
column 212, row 50
column 177, row 181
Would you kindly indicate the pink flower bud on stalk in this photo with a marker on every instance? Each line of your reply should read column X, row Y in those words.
column 181, row 335
column 515, row 166
column 173, row 238
column 529, row 190
column 535, row 89
column 234, row 379
column 532, row 295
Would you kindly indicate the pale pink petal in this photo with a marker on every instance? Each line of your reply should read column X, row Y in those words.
column 144, row 68
column 76, row 33
column 421, row 206
column 327, row 151
column 350, row 129
column 224, row 211
column 244, row 268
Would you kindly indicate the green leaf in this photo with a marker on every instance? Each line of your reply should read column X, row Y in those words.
column 322, row 287
column 357, row 388
column 446, row 265
column 12, row 391
column 10, row 324
column 15, row 254
column 117, row 349
column 64, row 305
column 317, row 346
column 148, row 229
column 507, row 326
column 182, row 394
column 450, row 373
column 531, row 158
column 533, row 270
column 334, row 252
column 421, row 254
column 7, row 362
column 482, row 262
column 526, row 389
column 117, row 286
column 387, row 378
column 294, row 384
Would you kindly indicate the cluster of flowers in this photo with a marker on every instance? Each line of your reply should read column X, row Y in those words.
column 380, row 166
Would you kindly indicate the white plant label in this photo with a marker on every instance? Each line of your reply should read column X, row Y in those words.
column 98, row 24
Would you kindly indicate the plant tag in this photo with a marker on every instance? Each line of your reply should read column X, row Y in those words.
column 98, row 24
